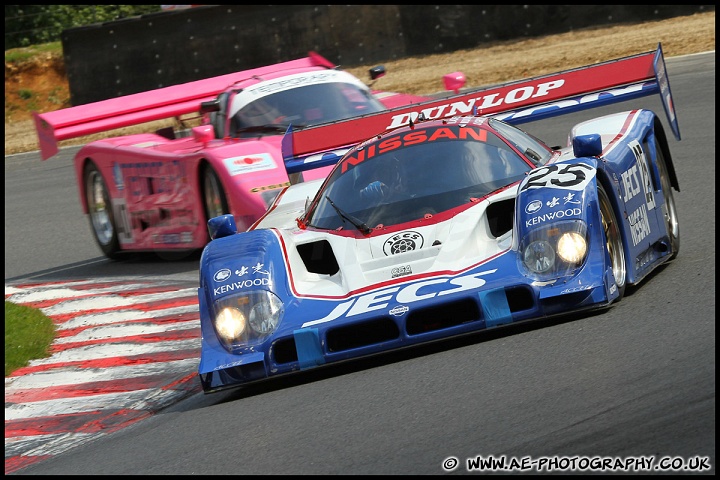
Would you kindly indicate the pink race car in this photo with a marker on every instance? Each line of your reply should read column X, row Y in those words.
column 156, row 191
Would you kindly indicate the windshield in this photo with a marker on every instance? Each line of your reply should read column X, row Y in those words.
column 534, row 149
column 409, row 182
column 304, row 106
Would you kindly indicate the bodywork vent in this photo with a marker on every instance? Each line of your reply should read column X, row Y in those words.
column 442, row 316
column 500, row 216
column 318, row 257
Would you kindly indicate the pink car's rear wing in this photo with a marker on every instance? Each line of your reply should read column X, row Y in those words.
column 159, row 104
column 517, row 102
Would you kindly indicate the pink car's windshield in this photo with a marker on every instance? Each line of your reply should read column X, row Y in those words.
column 414, row 180
column 305, row 106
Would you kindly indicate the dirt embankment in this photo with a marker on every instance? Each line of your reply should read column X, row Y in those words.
column 40, row 85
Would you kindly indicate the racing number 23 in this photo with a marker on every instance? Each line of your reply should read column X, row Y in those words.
column 571, row 176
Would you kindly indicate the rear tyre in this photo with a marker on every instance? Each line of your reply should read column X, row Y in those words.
column 613, row 241
column 213, row 193
column 100, row 212
column 672, row 225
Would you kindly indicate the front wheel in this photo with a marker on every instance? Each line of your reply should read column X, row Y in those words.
column 102, row 219
column 613, row 241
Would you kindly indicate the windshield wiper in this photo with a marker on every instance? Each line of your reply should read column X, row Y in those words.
column 356, row 222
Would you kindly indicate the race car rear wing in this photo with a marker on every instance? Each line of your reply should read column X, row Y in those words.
column 516, row 102
column 153, row 105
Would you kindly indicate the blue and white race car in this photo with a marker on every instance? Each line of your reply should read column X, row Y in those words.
column 445, row 219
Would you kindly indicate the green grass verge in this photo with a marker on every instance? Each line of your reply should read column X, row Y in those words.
column 20, row 55
column 28, row 335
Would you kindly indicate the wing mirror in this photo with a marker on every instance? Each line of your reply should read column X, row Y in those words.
column 210, row 106
column 222, row 226
column 587, row 145
column 454, row 81
column 377, row 72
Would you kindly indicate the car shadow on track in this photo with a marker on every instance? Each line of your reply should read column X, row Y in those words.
column 386, row 358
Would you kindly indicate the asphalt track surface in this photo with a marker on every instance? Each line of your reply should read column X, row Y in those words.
column 119, row 394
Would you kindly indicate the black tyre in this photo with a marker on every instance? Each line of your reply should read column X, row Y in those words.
column 613, row 241
column 100, row 212
column 214, row 199
column 669, row 210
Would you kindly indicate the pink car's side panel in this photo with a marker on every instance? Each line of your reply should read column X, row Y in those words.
column 152, row 195
column 155, row 185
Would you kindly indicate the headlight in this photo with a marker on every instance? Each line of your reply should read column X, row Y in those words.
column 230, row 323
column 265, row 316
column 572, row 247
column 539, row 256
column 554, row 251
column 247, row 319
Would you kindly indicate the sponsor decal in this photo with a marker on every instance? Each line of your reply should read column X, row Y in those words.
column 249, row 163
column 403, row 242
column 167, row 238
column 569, row 198
column 257, row 268
column 636, row 181
column 222, row 275
column 234, row 286
column 482, row 102
column 400, row 271
column 294, row 81
column 172, row 238
column 546, row 217
column 613, row 288
column 370, row 148
column 579, row 288
column 631, row 182
column 227, row 365
column 575, row 101
column 399, row 311
column 644, row 169
column 407, row 294
column 270, row 187
column 534, row 206
column 639, row 225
